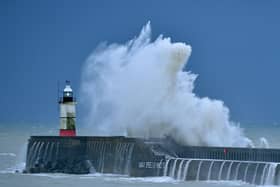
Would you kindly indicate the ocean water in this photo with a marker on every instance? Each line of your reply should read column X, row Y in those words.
column 13, row 142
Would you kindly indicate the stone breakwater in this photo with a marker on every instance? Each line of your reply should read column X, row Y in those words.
column 139, row 157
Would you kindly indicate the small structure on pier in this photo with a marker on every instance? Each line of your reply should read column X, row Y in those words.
column 67, row 105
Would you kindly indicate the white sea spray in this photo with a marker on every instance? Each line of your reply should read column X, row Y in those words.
column 140, row 89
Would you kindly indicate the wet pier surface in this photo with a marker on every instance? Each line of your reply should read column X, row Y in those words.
column 153, row 157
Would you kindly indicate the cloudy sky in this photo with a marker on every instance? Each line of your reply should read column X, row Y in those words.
column 236, row 50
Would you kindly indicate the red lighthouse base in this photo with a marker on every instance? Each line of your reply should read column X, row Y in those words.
column 66, row 132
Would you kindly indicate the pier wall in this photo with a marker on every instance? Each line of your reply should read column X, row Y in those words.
column 154, row 157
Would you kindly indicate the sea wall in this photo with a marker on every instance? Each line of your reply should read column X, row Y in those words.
column 154, row 157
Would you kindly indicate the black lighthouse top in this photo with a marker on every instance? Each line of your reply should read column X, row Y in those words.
column 67, row 94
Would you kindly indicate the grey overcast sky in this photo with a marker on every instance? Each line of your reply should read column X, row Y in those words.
column 236, row 50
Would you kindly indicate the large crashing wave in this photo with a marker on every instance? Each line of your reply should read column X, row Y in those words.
column 139, row 89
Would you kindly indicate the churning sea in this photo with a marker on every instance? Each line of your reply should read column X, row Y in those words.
column 13, row 142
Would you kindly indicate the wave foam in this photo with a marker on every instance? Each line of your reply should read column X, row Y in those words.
column 141, row 89
column 8, row 154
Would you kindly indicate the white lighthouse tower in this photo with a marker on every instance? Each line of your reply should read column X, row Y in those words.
column 67, row 105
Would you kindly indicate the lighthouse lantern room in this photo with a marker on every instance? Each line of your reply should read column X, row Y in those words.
column 67, row 106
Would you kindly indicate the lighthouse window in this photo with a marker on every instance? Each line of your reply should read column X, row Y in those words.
column 67, row 94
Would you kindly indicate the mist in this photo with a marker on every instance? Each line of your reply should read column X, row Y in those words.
column 141, row 89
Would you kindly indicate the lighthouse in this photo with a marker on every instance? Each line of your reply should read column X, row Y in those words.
column 67, row 105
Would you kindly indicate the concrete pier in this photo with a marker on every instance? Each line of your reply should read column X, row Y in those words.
column 153, row 157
